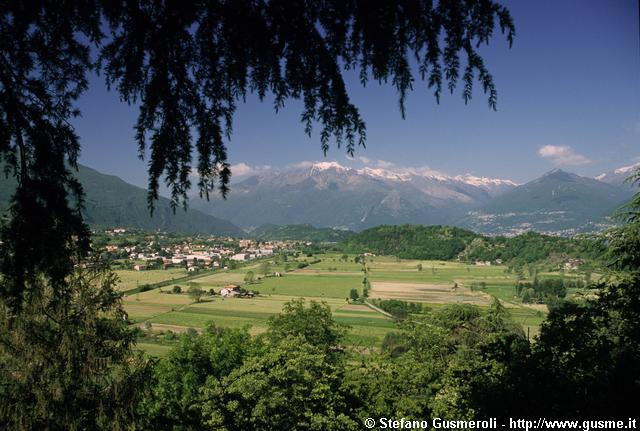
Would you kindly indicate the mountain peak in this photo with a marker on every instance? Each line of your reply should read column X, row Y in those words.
column 484, row 181
column 558, row 173
column 324, row 166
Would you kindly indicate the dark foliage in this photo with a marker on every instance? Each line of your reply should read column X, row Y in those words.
column 412, row 241
column 448, row 243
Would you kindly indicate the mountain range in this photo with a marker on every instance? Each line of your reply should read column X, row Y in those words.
column 112, row 202
column 328, row 194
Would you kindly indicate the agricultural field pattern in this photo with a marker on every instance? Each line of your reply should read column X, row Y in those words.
column 330, row 280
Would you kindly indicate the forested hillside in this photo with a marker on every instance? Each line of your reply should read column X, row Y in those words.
column 447, row 243
column 299, row 232
column 111, row 201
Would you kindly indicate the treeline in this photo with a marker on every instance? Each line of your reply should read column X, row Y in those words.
column 547, row 290
column 449, row 243
column 411, row 241
column 399, row 309
column 299, row 232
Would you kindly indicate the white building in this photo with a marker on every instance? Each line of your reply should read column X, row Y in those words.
column 240, row 257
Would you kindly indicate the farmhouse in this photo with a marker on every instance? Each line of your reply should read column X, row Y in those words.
column 571, row 264
column 230, row 290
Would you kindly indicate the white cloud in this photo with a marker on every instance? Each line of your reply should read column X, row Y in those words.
column 376, row 163
column 562, row 155
column 302, row 164
column 243, row 170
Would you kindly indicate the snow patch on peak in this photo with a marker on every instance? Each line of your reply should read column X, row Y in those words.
column 618, row 174
column 385, row 174
column 483, row 181
column 626, row 169
column 323, row 166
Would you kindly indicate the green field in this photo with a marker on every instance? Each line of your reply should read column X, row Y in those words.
column 130, row 279
column 330, row 280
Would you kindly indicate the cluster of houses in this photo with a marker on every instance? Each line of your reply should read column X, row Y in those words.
column 192, row 256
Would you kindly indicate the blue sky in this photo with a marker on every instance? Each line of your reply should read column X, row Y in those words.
column 568, row 96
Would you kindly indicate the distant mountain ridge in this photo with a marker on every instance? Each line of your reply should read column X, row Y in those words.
column 110, row 202
column 323, row 200
column 328, row 194
column 557, row 202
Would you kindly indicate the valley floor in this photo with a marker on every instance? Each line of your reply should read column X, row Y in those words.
column 432, row 283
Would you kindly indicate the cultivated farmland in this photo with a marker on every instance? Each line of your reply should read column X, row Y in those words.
column 331, row 279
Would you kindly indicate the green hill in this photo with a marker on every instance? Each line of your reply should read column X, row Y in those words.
column 300, row 232
column 409, row 241
column 448, row 243
column 110, row 201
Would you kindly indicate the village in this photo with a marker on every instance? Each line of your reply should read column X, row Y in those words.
column 139, row 251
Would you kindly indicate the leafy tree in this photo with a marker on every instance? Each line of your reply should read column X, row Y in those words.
column 314, row 323
column 195, row 292
column 588, row 353
column 176, row 289
column 394, row 344
column 249, row 277
column 265, row 268
column 293, row 385
column 179, row 377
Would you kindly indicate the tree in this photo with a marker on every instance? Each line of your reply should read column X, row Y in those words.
column 293, row 385
column 249, row 277
column 179, row 378
column 591, row 349
column 176, row 289
column 195, row 292
column 314, row 323
column 353, row 294
column 265, row 268
column 70, row 363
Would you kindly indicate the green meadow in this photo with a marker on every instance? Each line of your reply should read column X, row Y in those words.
column 436, row 284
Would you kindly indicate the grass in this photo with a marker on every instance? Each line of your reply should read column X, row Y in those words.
column 291, row 284
column 130, row 279
column 318, row 282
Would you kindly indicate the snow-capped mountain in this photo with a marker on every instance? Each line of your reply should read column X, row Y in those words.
column 619, row 175
column 330, row 194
